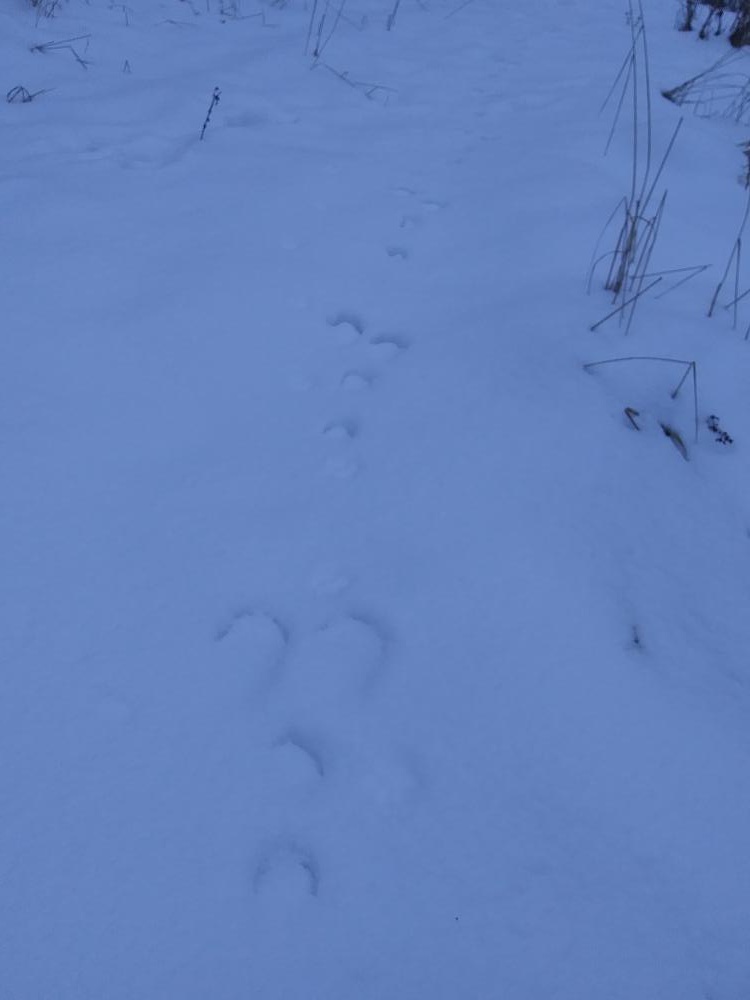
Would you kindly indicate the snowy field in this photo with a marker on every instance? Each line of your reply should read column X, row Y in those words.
column 354, row 645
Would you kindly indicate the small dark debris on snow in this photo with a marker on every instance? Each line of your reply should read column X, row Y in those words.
column 720, row 435
column 631, row 414
column 676, row 439
column 19, row 95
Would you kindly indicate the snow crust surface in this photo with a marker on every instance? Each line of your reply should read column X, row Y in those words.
column 354, row 646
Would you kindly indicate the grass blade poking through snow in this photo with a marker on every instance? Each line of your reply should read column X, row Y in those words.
column 310, row 26
column 690, row 367
column 215, row 98
column 734, row 258
column 65, row 44
column 638, row 232
column 625, row 304
column 392, row 16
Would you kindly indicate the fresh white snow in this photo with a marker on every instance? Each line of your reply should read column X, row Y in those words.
column 353, row 646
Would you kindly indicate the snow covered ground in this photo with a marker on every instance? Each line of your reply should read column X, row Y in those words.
column 354, row 646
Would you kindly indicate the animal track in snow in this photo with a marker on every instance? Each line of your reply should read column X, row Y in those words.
column 253, row 643
column 337, row 662
column 356, row 381
column 341, row 430
column 387, row 347
column 287, row 870
column 299, row 759
column 342, row 467
column 430, row 204
column 349, row 326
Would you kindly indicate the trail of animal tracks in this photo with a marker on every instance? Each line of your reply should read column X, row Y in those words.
column 354, row 644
